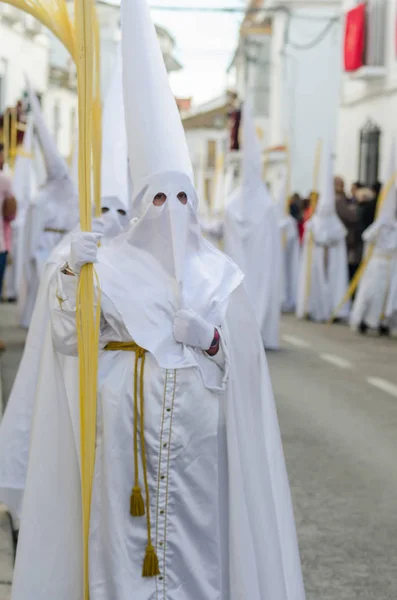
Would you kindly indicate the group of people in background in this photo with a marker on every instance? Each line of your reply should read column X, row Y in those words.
column 356, row 211
column 348, row 266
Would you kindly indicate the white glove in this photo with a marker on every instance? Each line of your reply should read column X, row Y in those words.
column 83, row 249
column 192, row 330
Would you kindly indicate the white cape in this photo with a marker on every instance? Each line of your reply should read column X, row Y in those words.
column 264, row 557
column 323, row 277
column 16, row 424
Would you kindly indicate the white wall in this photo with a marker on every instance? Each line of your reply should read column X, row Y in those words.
column 19, row 55
column 310, row 93
column 67, row 102
column 197, row 140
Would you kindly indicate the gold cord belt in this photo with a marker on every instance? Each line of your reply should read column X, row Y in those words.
column 137, row 505
column 55, row 230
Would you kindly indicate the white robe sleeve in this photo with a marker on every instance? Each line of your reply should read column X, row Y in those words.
column 63, row 313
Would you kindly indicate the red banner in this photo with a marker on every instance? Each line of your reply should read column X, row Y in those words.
column 355, row 38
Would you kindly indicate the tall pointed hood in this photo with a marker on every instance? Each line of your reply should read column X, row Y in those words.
column 252, row 164
column 326, row 203
column 39, row 170
column 22, row 180
column 325, row 224
column 218, row 200
column 387, row 203
column 282, row 202
column 386, row 213
column 74, row 167
column 281, row 197
column 55, row 165
column 200, row 182
column 114, row 140
column 163, row 254
column 156, row 139
column 252, row 197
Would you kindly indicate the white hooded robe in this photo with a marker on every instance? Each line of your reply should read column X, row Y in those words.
column 221, row 515
column 323, row 277
column 252, row 237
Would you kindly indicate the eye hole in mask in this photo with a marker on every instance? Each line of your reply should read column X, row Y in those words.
column 159, row 199
column 121, row 211
column 105, row 209
column 182, row 197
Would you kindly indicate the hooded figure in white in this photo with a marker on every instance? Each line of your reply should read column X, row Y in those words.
column 15, row 427
column 375, row 305
column 208, row 469
column 323, row 277
column 212, row 223
column 22, row 187
column 290, row 252
column 252, row 236
column 51, row 214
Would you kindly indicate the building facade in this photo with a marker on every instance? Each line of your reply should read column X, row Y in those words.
column 206, row 128
column 24, row 49
column 367, row 113
column 28, row 48
column 288, row 61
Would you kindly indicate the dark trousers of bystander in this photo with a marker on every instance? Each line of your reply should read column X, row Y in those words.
column 352, row 271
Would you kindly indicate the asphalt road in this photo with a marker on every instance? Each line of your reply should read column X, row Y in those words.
column 336, row 396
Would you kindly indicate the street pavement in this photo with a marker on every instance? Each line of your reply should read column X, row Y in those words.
column 336, row 396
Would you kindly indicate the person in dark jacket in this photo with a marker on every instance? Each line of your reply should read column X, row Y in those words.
column 367, row 199
column 347, row 209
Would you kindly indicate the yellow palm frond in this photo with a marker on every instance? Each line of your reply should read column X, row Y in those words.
column 88, row 311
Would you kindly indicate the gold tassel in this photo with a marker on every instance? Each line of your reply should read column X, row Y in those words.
column 137, row 505
column 150, row 563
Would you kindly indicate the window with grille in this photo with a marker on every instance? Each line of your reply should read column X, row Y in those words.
column 368, row 170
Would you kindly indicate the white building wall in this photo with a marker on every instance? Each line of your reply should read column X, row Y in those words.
column 204, row 172
column 20, row 54
column 304, row 85
column 61, row 114
column 309, row 92
column 277, row 132
column 363, row 100
column 197, row 141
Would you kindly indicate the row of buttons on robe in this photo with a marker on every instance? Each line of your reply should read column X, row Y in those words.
column 162, row 488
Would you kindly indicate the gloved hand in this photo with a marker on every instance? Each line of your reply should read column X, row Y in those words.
column 193, row 330
column 83, row 249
